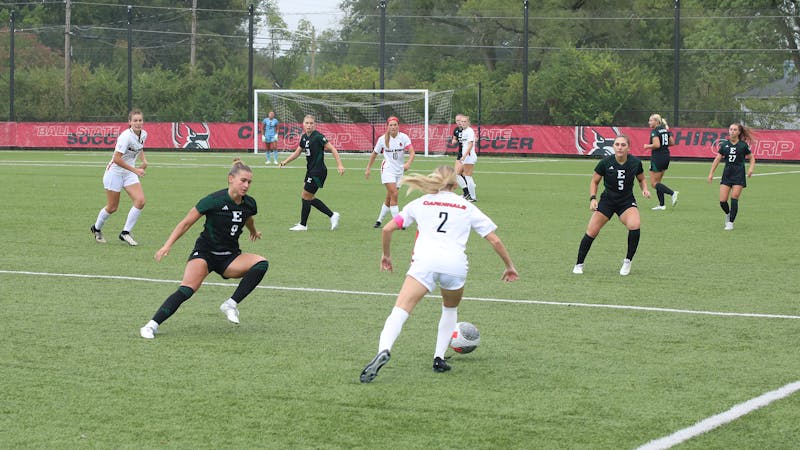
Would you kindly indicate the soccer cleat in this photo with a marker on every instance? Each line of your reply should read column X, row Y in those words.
column 147, row 332
column 371, row 370
column 230, row 311
column 298, row 227
column 377, row 224
column 473, row 200
column 126, row 237
column 467, row 197
column 578, row 269
column 674, row 198
column 626, row 267
column 728, row 226
column 98, row 235
column 440, row 365
column 659, row 208
column 334, row 220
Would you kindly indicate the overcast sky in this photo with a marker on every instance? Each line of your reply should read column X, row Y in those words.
column 324, row 14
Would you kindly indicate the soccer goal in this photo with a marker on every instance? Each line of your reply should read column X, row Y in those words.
column 354, row 119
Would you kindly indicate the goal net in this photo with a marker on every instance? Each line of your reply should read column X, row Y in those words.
column 353, row 120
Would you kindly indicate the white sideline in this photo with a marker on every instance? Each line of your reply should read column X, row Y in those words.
column 730, row 415
column 390, row 294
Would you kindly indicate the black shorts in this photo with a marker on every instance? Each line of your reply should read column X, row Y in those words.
column 458, row 156
column 314, row 181
column 216, row 261
column 735, row 177
column 659, row 161
column 609, row 208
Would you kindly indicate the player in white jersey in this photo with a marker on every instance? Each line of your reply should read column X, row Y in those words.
column 122, row 173
column 468, row 159
column 444, row 220
column 393, row 145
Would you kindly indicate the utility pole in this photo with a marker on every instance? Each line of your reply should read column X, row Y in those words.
column 676, row 90
column 382, row 49
column 130, row 57
column 193, row 48
column 67, row 57
column 525, row 64
column 12, row 19
column 313, row 52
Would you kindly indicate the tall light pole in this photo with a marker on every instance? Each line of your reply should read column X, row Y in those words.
column 382, row 49
column 676, row 82
column 525, row 64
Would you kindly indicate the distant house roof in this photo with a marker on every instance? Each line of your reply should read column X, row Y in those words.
column 783, row 88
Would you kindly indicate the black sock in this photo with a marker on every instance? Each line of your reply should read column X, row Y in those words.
column 322, row 207
column 724, row 206
column 172, row 303
column 250, row 280
column 305, row 210
column 633, row 243
column 660, row 195
column 734, row 208
column 665, row 189
column 583, row 249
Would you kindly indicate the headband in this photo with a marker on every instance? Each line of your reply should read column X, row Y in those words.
column 391, row 118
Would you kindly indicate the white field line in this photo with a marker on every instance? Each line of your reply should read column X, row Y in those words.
column 388, row 294
column 715, row 421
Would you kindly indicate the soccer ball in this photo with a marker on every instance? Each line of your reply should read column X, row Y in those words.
column 466, row 338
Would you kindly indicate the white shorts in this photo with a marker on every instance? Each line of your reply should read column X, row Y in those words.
column 389, row 177
column 116, row 181
column 270, row 139
column 431, row 279
column 472, row 158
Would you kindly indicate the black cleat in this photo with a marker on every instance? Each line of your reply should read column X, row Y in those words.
column 377, row 224
column 371, row 371
column 440, row 365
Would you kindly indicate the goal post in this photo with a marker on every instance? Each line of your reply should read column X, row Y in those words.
column 352, row 119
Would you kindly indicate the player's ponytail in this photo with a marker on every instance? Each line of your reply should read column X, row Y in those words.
column 442, row 179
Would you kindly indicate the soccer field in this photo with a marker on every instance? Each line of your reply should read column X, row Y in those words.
column 706, row 323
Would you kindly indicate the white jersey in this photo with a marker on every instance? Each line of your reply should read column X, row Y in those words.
column 130, row 146
column 444, row 221
column 467, row 136
column 394, row 155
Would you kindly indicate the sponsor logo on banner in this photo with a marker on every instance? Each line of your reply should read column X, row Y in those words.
column 595, row 141
column 191, row 136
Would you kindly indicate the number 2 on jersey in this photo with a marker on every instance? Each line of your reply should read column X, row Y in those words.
column 443, row 216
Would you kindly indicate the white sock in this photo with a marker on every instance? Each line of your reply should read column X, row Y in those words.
column 447, row 323
column 384, row 210
column 392, row 328
column 395, row 210
column 460, row 180
column 471, row 187
column 152, row 324
column 133, row 216
column 102, row 216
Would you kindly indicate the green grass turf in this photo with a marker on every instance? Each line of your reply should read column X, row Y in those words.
column 553, row 371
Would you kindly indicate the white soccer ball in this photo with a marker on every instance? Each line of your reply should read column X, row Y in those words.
column 466, row 338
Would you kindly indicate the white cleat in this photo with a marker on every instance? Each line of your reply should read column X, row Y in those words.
column 674, row 198
column 299, row 227
column 126, row 237
column 728, row 226
column 626, row 267
column 578, row 269
column 334, row 220
column 98, row 235
column 230, row 311
column 147, row 332
column 659, row 208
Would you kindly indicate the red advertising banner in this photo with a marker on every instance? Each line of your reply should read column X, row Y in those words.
column 494, row 139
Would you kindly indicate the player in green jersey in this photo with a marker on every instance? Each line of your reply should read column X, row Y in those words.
column 313, row 144
column 734, row 150
column 228, row 212
column 618, row 172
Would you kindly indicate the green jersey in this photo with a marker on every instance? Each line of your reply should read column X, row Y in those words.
column 313, row 146
column 618, row 179
column 224, row 221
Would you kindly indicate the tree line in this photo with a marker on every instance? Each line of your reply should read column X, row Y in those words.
column 605, row 62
